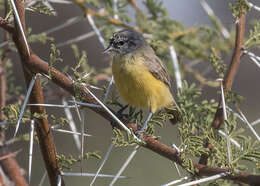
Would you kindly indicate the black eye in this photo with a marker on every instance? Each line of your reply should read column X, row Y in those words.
column 121, row 43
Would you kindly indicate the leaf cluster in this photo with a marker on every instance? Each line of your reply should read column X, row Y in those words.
column 239, row 9
column 254, row 37
column 195, row 130
column 66, row 162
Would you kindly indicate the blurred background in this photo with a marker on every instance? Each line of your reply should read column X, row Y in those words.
column 146, row 168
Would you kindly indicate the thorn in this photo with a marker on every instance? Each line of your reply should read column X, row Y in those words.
column 20, row 26
column 24, row 103
column 128, row 160
column 102, row 163
column 71, row 123
column 31, row 150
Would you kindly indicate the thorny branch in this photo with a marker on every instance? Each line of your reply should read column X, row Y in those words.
column 42, row 126
column 232, row 70
column 229, row 77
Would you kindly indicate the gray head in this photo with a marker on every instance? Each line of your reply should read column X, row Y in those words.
column 125, row 41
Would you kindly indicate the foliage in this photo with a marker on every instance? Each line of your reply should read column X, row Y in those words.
column 54, row 57
column 66, row 162
column 240, row 8
column 254, row 37
column 195, row 128
column 40, row 7
column 217, row 63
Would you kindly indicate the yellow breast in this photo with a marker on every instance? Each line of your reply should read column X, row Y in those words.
column 137, row 86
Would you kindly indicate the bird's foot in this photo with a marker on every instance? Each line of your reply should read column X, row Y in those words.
column 145, row 125
column 119, row 114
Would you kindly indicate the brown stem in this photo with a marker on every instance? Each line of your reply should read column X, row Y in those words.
column 42, row 126
column 11, row 168
column 7, row 26
column 233, row 67
column 230, row 75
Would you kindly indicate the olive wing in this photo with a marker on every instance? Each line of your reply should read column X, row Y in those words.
column 156, row 67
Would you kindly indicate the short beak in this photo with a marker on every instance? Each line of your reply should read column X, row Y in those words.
column 108, row 49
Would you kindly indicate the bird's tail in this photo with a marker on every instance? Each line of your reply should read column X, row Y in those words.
column 174, row 110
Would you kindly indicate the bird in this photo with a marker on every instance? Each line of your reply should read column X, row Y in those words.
column 139, row 75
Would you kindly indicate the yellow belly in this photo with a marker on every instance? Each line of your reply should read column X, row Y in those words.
column 137, row 86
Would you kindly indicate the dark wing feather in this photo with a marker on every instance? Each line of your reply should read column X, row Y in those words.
column 156, row 67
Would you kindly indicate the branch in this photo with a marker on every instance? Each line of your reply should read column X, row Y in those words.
column 42, row 126
column 11, row 168
column 40, row 66
column 233, row 67
column 202, row 80
column 104, row 16
column 7, row 26
column 229, row 77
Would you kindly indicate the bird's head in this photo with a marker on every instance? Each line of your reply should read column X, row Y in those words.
column 125, row 42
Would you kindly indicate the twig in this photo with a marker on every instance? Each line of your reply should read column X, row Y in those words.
column 9, row 155
column 200, row 78
column 135, row 5
column 104, row 16
column 7, row 26
column 11, row 168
